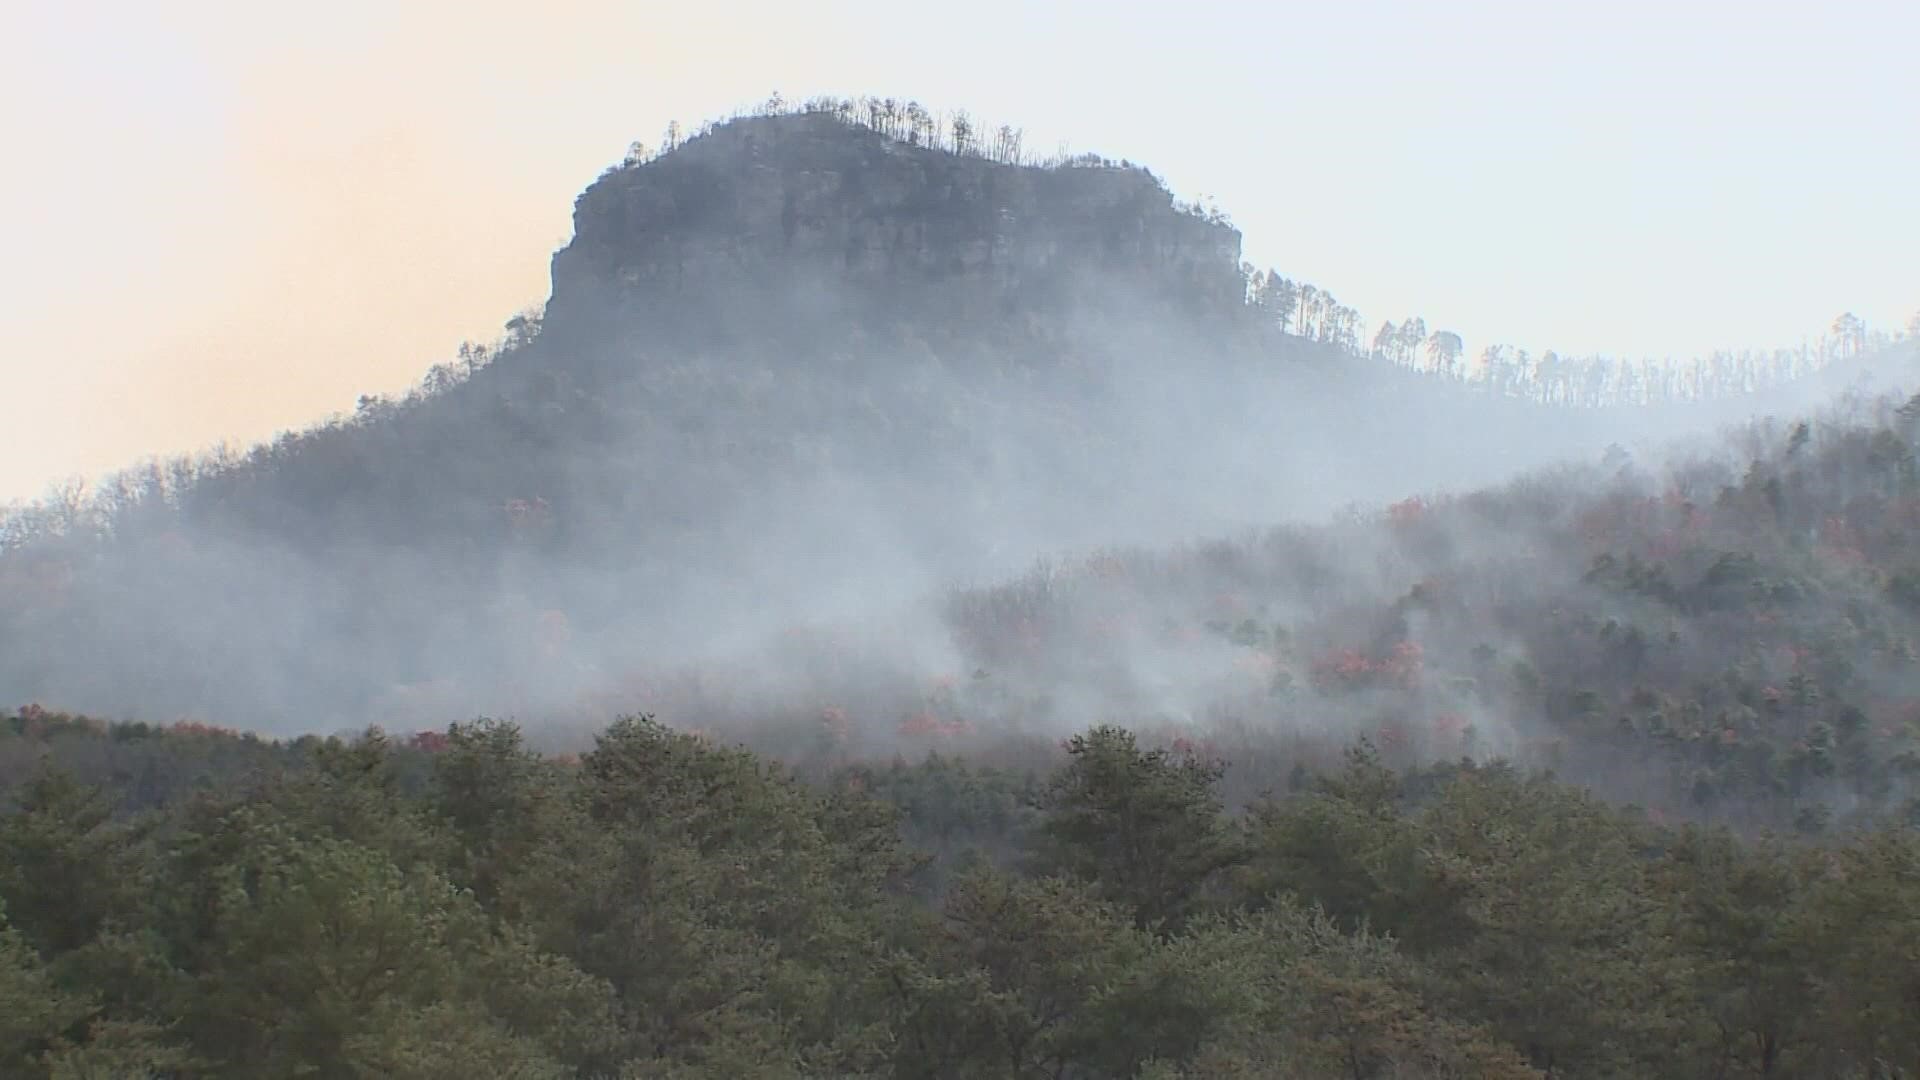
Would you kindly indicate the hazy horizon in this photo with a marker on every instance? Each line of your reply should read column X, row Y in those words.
column 240, row 223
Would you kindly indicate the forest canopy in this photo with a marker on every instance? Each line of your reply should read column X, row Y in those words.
column 455, row 905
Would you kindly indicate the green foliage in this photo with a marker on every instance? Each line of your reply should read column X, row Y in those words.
column 68, row 867
column 1559, row 947
column 1142, row 827
column 1313, row 999
column 668, row 908
column 34, row 1015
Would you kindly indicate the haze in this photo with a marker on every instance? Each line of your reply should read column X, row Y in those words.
column 226, row 221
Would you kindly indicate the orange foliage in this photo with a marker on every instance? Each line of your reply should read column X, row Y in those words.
column 429, row 742
column 1352, row 669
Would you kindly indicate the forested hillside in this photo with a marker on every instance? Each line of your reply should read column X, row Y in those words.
column 793, row 370
column 1041, row 646
column 1727, row 636
column 661, row 906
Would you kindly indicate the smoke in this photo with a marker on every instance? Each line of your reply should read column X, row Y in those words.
column 849, row 521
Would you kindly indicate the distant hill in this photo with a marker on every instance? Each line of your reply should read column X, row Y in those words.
column 793, row 370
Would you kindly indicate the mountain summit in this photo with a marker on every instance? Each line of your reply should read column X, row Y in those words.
column 795, row 369
column 800, row 203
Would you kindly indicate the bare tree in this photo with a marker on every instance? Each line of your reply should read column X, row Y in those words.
column 1386, row 339
column 1850, row 335
column 1006, row 145
column 1309, row 304
column 1282, row 296
column 962, row 133
column 1444, row 349
column 1413, row 331
column 919, row 125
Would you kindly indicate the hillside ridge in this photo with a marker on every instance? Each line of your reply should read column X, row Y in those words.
column 826, row 215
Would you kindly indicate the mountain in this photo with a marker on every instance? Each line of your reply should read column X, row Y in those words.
column 792, row 372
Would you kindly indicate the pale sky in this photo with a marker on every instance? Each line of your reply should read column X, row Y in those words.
column 226, row 219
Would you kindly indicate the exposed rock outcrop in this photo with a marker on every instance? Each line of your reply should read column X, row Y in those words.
column 831, row 208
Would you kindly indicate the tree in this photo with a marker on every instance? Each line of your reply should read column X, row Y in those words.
column 1032, row 979
column 1849, row 335
column 1006, row 145
column 1283, row 297
column 701, row 883
column 1738, row 906
column 1860, row 925
column 500, row 800
column 1560, row 948
column 313, row 945
column 962, row 133
column 920, row 125
column 1443, row 351
column 1342, row 847
column 1413, row 331
column 1142, row 827
column 34, row 1013
column 68, row 867
column 1312, row 999
column 1386, row 340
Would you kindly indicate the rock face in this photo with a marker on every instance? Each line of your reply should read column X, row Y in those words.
column 829, row 207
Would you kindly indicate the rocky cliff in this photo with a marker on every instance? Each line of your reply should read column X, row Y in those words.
column 832, row 209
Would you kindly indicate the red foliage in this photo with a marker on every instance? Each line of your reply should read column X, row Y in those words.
column 1352, row 669
column 195, row 727
column 1407, row 511
column 1345, row 669
column 926, row 724
column 429, row 742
